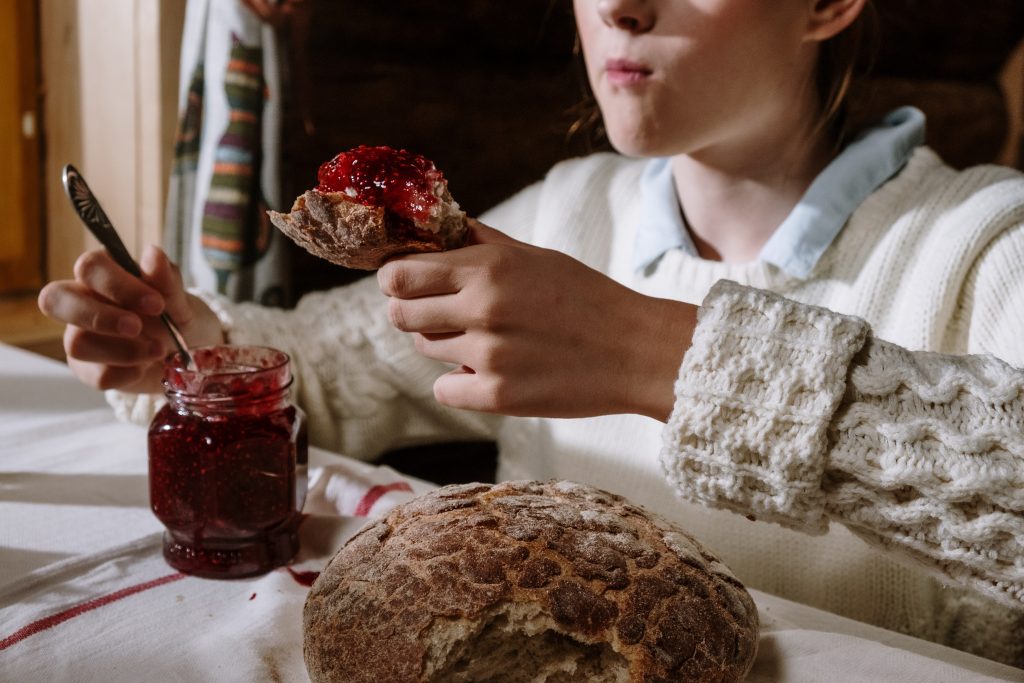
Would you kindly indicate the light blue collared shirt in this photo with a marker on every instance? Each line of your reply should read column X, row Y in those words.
column 797, row 244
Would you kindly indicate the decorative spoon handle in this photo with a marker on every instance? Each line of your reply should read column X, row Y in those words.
column 92, row 215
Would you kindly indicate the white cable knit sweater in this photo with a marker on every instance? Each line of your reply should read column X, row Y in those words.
column 790, row 408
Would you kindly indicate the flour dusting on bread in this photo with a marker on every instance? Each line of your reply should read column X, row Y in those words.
column 526, row 582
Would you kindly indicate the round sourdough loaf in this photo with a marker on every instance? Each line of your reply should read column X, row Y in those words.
column 526, row 582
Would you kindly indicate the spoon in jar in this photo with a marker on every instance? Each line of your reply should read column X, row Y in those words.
column 92, row 215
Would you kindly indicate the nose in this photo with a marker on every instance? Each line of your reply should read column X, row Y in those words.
column 635, row 16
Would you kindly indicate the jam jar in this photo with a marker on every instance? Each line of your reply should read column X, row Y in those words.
column 227, row 462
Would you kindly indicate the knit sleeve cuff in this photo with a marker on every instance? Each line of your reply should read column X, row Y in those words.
column 753, row 401
column 925, row 460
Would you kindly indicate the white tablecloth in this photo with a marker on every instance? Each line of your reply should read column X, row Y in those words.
column 86, row 596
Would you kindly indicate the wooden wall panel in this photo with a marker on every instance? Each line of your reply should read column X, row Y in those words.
column 62, row 128
column 110, row 82
column 20, row 235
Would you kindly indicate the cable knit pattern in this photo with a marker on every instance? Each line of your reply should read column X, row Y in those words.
column 926, row 458
column 754, row 398
column 781, row 413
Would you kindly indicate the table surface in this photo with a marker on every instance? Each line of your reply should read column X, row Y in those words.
column 86, row 596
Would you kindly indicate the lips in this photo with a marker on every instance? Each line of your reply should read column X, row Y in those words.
column 626, row 72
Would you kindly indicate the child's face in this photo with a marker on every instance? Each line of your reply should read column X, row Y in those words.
column 678, row 76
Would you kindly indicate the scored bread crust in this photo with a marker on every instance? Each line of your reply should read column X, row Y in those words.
column 396, row 599
column 332, row 226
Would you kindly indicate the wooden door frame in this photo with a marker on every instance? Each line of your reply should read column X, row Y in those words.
column 110, row 83
column 20, row 269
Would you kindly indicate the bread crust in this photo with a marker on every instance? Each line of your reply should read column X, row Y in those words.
column 332, row 226
column 585, row 563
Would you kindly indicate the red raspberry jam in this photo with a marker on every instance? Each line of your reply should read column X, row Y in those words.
column 227, row 462
column 400, row 181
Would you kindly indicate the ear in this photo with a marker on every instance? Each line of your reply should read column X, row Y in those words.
column 828, row 18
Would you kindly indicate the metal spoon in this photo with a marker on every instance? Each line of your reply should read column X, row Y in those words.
column 89, row 210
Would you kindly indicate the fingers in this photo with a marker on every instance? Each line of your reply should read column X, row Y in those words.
column 483, row 354
column 467, row 390
column 91, row 347
column 105, row 376
column 164, row 276
column 435, row 314
column 105, row 298
column 418, row 275
column 97, row 271
column 458, row 388
column 113, row 337
column 73, row 303
column 444, row 347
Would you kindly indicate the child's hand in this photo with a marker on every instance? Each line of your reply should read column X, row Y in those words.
column 535, row 332
column 114, row 337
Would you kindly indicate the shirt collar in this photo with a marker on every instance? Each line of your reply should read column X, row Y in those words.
column 801, row 239
column 661, row 225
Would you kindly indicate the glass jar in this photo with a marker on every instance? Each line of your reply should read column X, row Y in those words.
column 227, row 462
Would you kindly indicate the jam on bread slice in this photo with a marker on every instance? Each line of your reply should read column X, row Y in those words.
column 372, row 203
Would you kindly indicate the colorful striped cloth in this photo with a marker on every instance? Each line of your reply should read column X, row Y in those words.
column 226, row 168
column 181, row 188
column 233, row 233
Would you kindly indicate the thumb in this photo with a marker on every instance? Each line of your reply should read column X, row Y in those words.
column 163, row 275
column 485, row 234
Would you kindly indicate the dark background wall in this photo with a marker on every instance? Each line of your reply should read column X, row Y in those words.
column 487, row 90
column 946, row 57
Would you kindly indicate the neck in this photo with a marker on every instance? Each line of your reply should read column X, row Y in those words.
column 735, row 195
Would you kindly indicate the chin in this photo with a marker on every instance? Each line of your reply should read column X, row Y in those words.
column 633, row 144
column 636, row 136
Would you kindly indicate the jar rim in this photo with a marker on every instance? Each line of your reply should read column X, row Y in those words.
column 220, row 368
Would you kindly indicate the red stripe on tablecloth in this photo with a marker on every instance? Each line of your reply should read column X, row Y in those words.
column 375, row 493
column 60, row 617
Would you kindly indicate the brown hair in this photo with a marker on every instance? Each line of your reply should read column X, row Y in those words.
column 840, row 60
column 587, row 124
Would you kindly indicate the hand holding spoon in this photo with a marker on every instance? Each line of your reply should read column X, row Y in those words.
column 92, row 215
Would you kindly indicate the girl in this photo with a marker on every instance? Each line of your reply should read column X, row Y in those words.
column 854, row 358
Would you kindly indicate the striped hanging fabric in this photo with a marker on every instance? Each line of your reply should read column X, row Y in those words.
column 186, row 159
column 233, row 234
column 226, row 170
